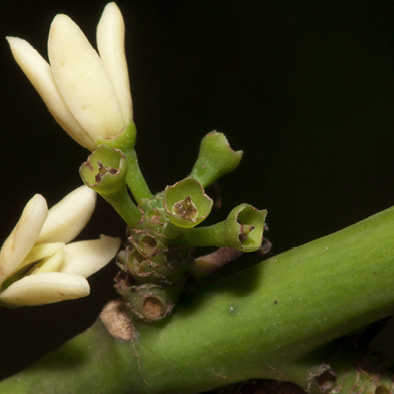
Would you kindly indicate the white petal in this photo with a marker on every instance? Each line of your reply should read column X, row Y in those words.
column 40, row 75
column 69, row 216
column 45, row 288
column 82, row 79
column 23, row 236
column 86, row 257
column 110, row 43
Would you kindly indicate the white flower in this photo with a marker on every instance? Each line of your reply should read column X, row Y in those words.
column 38, row 265
column 88, row 94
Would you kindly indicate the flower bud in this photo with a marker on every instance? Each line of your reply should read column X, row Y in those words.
column 216, row 158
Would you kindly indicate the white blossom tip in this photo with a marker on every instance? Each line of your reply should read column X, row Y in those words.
column 44, row 288
column 69, row 216
column 87, row 257
column 87, row 94
column 22, row 238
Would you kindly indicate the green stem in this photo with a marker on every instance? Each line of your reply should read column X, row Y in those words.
column 134, row 178
column 123, row 205
column 262, row 322
column 214, row 235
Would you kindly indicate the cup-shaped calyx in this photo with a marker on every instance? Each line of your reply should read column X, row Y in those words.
column 105, row 170
column 215, row 159
column 244, row 227
column 243, row 230
column 186, row 204
column 87, row 92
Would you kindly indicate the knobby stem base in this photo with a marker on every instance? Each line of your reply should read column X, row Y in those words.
column 266, row 321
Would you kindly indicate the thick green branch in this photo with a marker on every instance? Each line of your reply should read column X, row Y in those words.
column 258, row 323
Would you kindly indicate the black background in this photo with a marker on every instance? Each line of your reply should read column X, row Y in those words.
column 305, row 89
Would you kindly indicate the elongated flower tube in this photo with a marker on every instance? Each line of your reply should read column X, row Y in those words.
column 38, row 265
column 87, row 93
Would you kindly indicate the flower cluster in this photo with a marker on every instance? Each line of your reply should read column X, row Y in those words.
column 88, row 94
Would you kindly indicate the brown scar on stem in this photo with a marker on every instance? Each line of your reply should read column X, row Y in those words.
column 117, row 322
column 119, row 325
column 220, row 257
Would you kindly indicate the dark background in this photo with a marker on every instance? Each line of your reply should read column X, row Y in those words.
column 305, row 88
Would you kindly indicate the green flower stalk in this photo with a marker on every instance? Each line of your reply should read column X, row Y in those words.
column 215, row 159
column 105, row 172
column 243, row 230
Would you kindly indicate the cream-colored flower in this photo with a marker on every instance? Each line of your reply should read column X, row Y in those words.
column 38, row 265
column 87, row 93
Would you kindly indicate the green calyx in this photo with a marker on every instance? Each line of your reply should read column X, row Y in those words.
column 186, row 203
column 124, row 140
column 245, row 227
column 215, row 159
column 105, row 170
